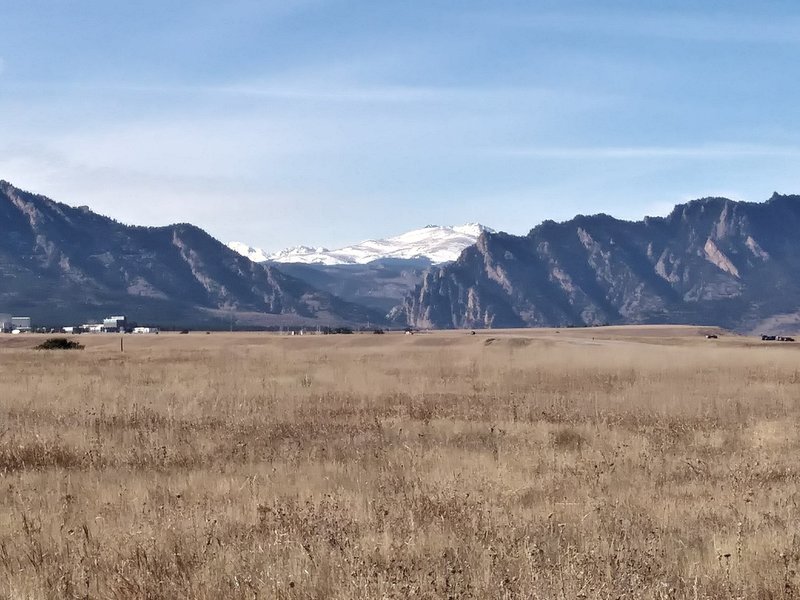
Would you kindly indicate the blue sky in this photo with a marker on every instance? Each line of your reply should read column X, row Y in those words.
column 326, row 122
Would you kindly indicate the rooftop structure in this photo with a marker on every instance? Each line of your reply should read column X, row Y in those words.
column 21, row 323
column 115, row 323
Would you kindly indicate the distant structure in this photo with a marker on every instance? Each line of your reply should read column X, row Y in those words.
column 112, row 324
column 20, row 323
column 145, row 330
column 115, row 324
column 776, row 338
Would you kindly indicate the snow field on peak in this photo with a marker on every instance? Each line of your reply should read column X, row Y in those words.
column 439, row 244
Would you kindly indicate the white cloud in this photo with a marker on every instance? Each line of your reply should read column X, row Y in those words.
column 343, row 92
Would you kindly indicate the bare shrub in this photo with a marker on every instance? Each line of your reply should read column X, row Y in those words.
column 567, row 438
column 59, row 344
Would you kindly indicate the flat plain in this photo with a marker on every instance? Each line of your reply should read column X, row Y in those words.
column 631, row 462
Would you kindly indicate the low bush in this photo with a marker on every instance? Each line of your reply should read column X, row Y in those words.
column 59, row 344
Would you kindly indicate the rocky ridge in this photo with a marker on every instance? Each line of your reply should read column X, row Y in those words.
column 711, row 261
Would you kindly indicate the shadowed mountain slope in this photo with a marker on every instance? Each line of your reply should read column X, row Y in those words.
column 711, row 261
column 62, row 264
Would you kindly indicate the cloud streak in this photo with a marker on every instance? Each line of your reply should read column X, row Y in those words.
column 342, row 92
column 711, row 151
column 753, row 28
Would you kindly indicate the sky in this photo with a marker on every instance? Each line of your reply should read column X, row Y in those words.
column 326, row 122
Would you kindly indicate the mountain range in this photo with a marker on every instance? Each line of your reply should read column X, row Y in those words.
column 710, row 261
column 434, row 244
column 65, row 265
column 376, row 273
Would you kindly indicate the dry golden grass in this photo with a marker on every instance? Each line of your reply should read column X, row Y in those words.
column 579, row 464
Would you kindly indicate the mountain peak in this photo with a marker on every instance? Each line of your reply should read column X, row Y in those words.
column 712, row 260
column 435, row 243
column 61, row 264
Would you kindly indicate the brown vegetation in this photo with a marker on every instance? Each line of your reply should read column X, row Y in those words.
column 432, row 466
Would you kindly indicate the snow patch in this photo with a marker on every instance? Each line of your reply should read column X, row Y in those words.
column 439, row 244
column 254, row 254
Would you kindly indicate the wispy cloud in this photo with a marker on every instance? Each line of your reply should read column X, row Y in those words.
column 349, row 119
column 753, row 28
column 710, row 151
column 342, row 92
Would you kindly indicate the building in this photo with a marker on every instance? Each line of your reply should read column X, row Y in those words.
column 115, row 324
column 21, row 323
column 5, row 323
column 145, row 330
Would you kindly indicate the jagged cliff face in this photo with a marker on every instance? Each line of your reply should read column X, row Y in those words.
column 64, row 264
column 712, row 261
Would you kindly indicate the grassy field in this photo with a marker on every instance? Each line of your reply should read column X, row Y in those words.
column 599, row 463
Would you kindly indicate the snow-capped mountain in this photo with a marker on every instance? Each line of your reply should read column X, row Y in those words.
column 295, row 254
column 254, row 254
column 439, row 244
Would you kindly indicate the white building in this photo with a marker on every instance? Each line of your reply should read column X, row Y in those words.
column 115, row 323
column 21, row 323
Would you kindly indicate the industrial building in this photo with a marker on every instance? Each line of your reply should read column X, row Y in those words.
column 20, row 323
column 112, row 324
column 11, row 324
column 145, row 330
column 115, row 324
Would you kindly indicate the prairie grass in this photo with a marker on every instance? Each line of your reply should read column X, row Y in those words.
column 516, row 465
